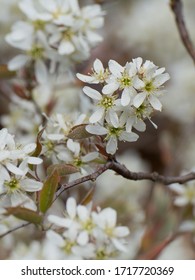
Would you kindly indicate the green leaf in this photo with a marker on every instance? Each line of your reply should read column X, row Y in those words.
column 25, row 214
column 62, row 169
column 5, row 73
column 48, row 191
column 79, row 132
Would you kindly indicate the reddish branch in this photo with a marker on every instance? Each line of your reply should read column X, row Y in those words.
column 176, row 6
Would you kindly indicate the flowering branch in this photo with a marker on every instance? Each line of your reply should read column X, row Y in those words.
column 176, row 6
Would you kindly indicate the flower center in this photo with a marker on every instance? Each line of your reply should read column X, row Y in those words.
column 39, row 24
column 12, row 185
column 36, row 52
column 125, row 81
column 107, row 102
column 149, row 87
column 101, row 76
column 88, row 225
column 115, row 131
column 190, row 193
column 78, row 162
column 68, row 247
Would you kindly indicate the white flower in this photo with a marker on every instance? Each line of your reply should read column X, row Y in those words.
column 14, row 188
column 186, row 193
column 106, row 221
column 105, row 106
column 88, row 234
column 113, row 134
column 123, row 78
column 10, row 153
column 99, row 74
column 35, row 45
column 152, row 80
column 91, row 18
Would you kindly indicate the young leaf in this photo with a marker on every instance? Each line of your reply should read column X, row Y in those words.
column 48, row 191
column 24, row 214
column 79, row 132
column 62, row 169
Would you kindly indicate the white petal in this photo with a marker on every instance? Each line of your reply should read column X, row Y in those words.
column 17, row 62
column 128, row 136
column 161, row 79
column 29, row 148
column 83, row 213
column 121, row 247
column 41, row 73
column 110, row 88
column 98, row 66
column 89, row 157
column 4, row 155
column 92, row 93
column 31, row 185
column 96, row 129
column 58, row 221
column 97, row 115
column 156, row 104
column 113, row 118
column 111, row 146
column 14, row 169
column 66, row 47
column 181, row 201
column 71, row 207
column 177, row 188
column 110, row 215
column 34, row 160
column 140, row 125
column 187, row 226
column 87, row 79
column 83, row 238
column 139, row 99
column 115, row 68
column 125, row 97
column 121, row 231
column 55, row 238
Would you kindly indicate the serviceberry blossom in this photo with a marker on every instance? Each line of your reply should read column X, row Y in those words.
column 35, row 46
column 88, row 233
column 11, row 153
column 99, row 74
column 52, row 30
column 14, row 188
column 105, row 107
column 78, row 156
column 152, row 82
column 112, row 135
column 130, row 94
column 185, row 194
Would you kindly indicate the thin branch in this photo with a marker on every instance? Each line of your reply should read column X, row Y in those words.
column 177, row 8
column 154, row 176
column 126, row 173
column 14, row 229
column 92, row 177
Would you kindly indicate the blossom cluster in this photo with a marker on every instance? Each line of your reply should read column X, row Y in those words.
column 14, row 166
column 58, row 148
column 54, row 30
column 129, row 95
column 86, row 233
